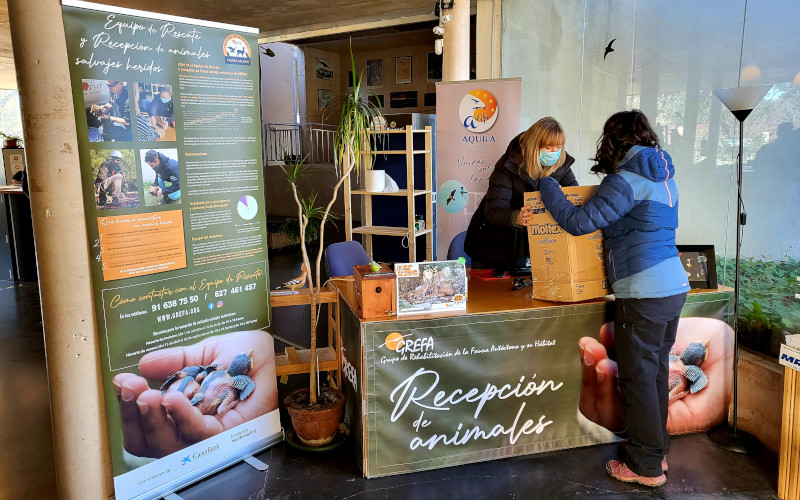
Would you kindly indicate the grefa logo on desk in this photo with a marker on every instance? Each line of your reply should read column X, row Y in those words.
column 403, row 344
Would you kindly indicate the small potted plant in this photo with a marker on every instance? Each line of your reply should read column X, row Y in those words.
column 11, row 141
column 316, row 412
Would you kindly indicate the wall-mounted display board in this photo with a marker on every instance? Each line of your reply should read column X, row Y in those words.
column 177, row 236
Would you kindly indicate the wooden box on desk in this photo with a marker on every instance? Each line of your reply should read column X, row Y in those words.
column 375, row 291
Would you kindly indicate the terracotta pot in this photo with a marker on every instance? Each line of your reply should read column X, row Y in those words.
column 315, row 426
column 10, row 143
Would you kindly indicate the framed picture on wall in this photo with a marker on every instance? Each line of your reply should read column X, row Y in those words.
column 434, row 67
column 700, row 265
column 402, row 70
column 375, row 73
column 429, row 99
column 323, row 69
column 405, row 99
column 323, row 99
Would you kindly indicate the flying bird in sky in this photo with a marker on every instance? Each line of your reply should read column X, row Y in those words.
column 608, row 49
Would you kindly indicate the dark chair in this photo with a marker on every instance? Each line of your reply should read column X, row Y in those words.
column 341, row 257
column 456, row 249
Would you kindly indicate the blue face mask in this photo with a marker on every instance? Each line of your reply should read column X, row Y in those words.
column 548, row 158
column 165, row 99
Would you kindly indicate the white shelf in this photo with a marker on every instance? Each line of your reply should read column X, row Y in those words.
column 388, row 231
column 397, row 152
column 397, row 131
column 402, row 192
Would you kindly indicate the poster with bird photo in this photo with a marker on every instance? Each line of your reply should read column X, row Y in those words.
column 426, row 287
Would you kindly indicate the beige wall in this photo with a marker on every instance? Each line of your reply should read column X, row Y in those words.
column 760, row 397
column 419, row 75
column 313, row 84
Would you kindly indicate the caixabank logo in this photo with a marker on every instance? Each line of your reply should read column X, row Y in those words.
column 237, row 50
column 478, row 110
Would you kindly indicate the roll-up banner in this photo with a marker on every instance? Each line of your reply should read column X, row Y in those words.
column 475, row 121
column 168, row 119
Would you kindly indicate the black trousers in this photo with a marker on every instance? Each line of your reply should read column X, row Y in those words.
column 645, row 332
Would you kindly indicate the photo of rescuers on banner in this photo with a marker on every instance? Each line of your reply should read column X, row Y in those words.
column 180, row 276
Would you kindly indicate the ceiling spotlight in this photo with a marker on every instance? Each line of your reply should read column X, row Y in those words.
column 447, row 18
column 442, row 5
column 438, row 30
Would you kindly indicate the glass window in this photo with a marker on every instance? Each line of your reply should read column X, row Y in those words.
column 580, row 63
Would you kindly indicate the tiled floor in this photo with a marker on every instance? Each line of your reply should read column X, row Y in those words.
column 698, row 469
column 27, row 468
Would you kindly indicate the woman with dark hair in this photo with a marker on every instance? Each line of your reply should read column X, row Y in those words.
column 536, row 153
column 636, row 206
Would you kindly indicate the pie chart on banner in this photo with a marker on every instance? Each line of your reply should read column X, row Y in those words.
column 453, row 196
column 247, row 207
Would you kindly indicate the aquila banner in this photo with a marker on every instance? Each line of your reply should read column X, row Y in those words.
column 447, row 391
column 168, row 120
column 475, row 121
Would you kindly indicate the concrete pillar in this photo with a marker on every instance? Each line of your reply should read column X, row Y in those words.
column 455, row 64
column 83, row 460
column 488, row 39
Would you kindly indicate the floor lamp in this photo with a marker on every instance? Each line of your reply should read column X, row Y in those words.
column 740, row 101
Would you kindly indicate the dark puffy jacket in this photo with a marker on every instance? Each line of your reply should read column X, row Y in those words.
column 637, row 208
column 490, row 235
column 167, row 169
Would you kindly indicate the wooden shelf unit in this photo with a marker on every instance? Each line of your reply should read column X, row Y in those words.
column 294, row 361
column 410, row 193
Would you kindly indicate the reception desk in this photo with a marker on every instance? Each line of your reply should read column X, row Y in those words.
column 501, row 379
column 17, row 250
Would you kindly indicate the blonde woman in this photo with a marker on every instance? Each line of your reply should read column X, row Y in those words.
column 536, row 153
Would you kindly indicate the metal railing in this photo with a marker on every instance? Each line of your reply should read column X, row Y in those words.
column 281, row 139
column 296, row 140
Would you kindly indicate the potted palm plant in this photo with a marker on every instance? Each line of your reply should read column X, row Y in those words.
column 316, row 411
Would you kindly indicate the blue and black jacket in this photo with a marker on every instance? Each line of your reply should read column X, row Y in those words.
column 167, row 169
column 637, row 209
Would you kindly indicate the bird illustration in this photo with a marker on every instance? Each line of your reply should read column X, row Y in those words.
column 608, row 49
column 451, row 197
column 296, row 283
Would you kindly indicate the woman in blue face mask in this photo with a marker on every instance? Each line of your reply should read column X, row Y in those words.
column 496, row 237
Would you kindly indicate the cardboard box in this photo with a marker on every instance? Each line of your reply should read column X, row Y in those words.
column 375, row 291
column 565, row 268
